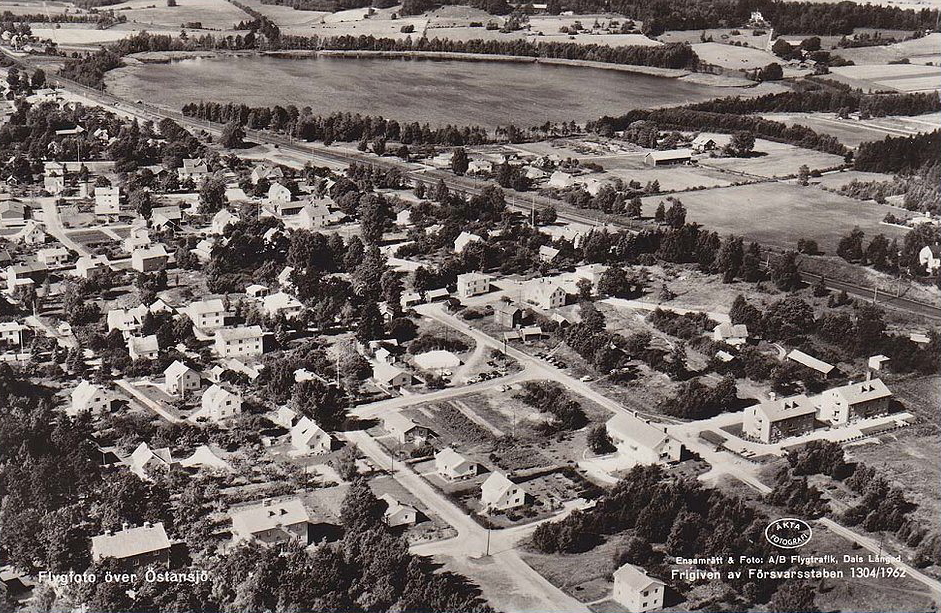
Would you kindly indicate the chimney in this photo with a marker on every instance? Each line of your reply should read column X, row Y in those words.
column 772, row 395
column 868, row 374
column 147, row 524
column 125, row 526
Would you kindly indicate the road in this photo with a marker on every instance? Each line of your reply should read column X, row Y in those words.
column 142, row 399
column 53, row 222
column 508, row 583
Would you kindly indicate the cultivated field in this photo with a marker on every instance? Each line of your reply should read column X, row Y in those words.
column 779, row 214
column 852, row 132
column 285, row 16
column 31, row 8
column 900, row 77
column 212, row 14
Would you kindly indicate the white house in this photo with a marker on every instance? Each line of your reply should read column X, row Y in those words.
column 180, row 379
column 498, row 493
column 11, row 334
column 848, row 403
column 669, row 157
column 282, row 303
column 107, row 202
column 149, row 259
column 222, row 220
column 561, row 180
column 398, row 514
column 778, row 418
column 207, row 314
column 219, row 403
column 463, row 240
column 256, row 290
column 268, row 171
column 545, row 294
column 126, row 320
column 636, row 591
column 137, row 238
column 453, row 466
column 194, row 169
column 404, row 430
column 91, row 398
column 278, row 193
column 548, row 254
column 90, row 266
column 735, row 335
column 390, row 376
column 239, row 341
column 143, row 347
column 308, row 437
column 144, row 461
column 53, row 256
column 642, row 441
column 930, row 258
column 272, row 522
column 134, row 546
column 472, row 284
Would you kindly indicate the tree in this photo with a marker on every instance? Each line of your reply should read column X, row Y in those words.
column 361, row 509
column 39, row 78
column 599, row 441
column 793, row 596
column 803, row 175
column 785, row 272
column 615, row 282
column 212, row 196
column 232, row 135
column 850, row 247
column 660, row 213
column 676, row 214
column 459, row 161
column 369, row 327
column 325, row 404
column 742, row 143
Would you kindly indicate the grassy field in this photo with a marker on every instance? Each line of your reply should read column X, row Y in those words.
column 852, row 132
column 213, row 14
column 912, row 49
column 82, row 36
column 733, row 57
column 779, row 214
column 775, row 160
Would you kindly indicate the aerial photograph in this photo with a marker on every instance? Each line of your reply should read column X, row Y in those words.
column 470, row 306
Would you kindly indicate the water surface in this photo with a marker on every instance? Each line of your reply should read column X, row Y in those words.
column 439, row 91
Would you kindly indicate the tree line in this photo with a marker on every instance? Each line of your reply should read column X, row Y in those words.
column 686, row 118
column 832, row 101
column 899, row 153
column 827, row 18
column 336, row 127
column 671, row 55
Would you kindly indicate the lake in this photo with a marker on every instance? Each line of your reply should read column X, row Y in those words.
column 434, row 91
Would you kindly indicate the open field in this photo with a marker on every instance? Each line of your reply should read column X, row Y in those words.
column 212, row 14
column 774, row 160
column 25, row 7
column 911, row 49
column 852, row 132
column 836, row 180
column 285, row 16
column 83, row 36
column 779, row 214
column 732, row 57
column 898, row 77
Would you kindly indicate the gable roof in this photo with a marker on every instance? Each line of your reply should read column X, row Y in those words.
column 866, row 391
column 810, row 361
column 630, row 427
column 635, row 578
column 130, row 542
column 270, row 514
column 496, row 485
column 787, row 408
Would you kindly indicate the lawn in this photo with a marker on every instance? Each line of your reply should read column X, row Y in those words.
column 779, row 214
column 82, row 35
